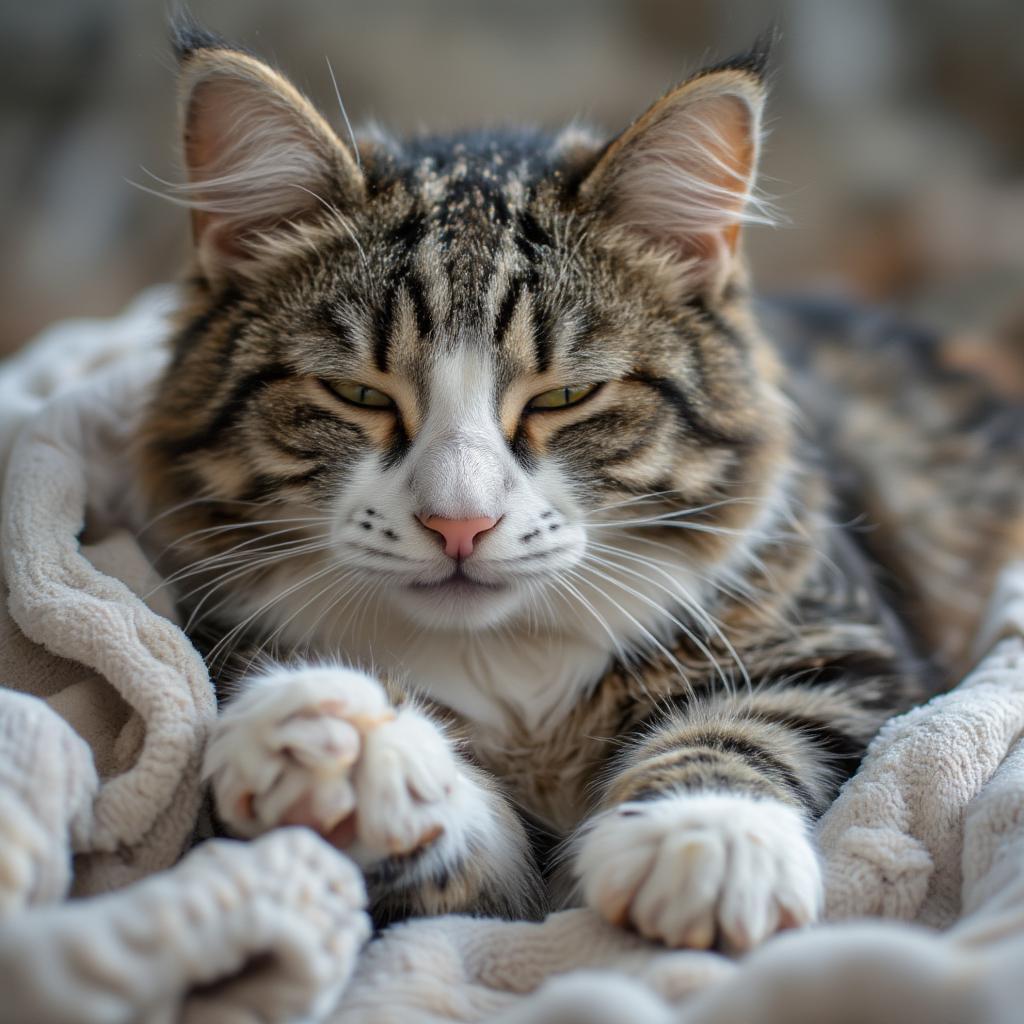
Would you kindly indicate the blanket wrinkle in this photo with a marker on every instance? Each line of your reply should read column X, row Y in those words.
column 916, row 781
column 104, row 708
column 59, row 600
column 994, row 836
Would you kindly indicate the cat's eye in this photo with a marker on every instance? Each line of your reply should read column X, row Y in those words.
column 360, row 394
column 561, row 398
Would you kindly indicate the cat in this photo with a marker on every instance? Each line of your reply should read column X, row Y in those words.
column 523, row 561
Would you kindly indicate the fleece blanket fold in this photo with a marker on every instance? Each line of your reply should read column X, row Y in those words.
column 106, row 915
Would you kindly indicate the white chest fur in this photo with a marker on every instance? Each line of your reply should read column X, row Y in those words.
column 497, row 678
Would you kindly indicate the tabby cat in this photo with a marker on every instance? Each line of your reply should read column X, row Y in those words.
column 517, row 551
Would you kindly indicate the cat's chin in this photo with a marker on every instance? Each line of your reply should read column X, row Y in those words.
column 459, row 604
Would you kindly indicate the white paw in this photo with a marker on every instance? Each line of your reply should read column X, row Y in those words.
column 404, row 781
column 702, row 870
column 323, row 747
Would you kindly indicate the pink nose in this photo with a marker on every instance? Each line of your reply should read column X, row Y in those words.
column 458, row 534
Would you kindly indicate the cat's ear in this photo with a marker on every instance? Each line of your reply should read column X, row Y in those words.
column 258, row 155
column 682, row 176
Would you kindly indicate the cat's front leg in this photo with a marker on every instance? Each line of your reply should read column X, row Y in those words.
column 703, row 834
column 324, row 747
column 701, row 869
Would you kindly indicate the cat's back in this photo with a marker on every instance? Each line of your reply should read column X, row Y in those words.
column 926, row 460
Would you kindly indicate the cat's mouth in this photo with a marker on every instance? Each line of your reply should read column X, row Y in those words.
column 457, row 582
column 459, row 600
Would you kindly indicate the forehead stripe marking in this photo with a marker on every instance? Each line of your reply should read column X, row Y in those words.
column 382, row 332
column 507, row 310
column 417, row 291
column 543, row 330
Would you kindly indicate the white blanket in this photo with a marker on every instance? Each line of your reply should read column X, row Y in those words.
column 102, row 722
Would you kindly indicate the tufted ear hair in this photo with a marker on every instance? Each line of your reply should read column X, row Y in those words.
column 682, row 176
column 259, row 156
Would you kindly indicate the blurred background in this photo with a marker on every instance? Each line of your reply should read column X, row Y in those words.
column 896, row 148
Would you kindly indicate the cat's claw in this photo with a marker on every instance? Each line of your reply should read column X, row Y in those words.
column 702, row 870
column 323, row 747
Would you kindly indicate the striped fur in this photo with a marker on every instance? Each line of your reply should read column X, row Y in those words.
column 666, row 608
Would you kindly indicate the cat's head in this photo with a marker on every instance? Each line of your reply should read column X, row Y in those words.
column 462, row 377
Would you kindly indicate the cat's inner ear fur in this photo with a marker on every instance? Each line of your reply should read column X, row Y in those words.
column 259, row 157
column 683, row 175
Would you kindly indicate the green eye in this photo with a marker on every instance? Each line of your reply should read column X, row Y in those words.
column 560, row 398
column 360, row 394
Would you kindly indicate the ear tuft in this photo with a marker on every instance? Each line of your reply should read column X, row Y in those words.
column 188, row 36
column 755, row 62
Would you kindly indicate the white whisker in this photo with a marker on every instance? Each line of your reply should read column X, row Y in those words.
column 676, row 593
column 654, row 641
